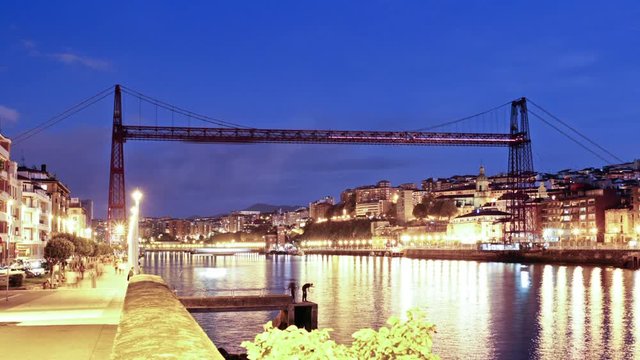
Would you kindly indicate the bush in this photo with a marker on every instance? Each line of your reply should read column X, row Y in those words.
column 408, row 339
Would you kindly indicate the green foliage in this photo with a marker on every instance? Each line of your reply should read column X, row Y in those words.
column 82, row 246
column 337, row 230
column 58, row 249
column 408, row 339
column 102, row 249
column 420, row 211
column 444, row 208
column 435, row 207
column 294, row 343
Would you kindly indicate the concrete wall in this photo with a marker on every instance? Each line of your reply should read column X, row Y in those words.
column 616, row 258
column 155, row 325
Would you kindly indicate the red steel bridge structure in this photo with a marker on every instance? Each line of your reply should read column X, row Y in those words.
column 517, row 139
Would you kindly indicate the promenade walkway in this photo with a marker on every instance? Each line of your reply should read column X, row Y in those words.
column 66, row 323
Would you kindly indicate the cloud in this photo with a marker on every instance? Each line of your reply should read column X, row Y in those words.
column 69, row 58
column 8, row 114
column 91, row 63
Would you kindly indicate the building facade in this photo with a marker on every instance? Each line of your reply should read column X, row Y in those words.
column 35, row 221
column 57, row 191
column 9, row 202
column 577, row 215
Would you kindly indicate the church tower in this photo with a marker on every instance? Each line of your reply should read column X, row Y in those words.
column 482, row 194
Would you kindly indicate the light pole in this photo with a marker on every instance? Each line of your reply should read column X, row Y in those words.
column 10, row 226
column 133, row 231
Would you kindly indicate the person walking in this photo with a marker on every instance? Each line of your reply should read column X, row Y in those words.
column 93, row 275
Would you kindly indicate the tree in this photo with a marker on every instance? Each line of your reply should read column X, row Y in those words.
column 435, row 207
column 83, row 247
column 57, row 250
column 420, row 211
column 102, row 249
column 409, row 339
column 447, row 208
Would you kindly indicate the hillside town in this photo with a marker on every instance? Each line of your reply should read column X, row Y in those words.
column 592, row 205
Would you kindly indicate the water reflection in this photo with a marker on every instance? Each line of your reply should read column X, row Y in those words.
column 482, row 310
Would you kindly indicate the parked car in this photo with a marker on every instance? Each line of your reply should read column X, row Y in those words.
column 16, row 277
column 34, row 272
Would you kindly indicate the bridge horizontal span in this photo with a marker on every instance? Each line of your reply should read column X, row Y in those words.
column 236, row 303
column 240, row 135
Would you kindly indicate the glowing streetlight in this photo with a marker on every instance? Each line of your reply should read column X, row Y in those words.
column 10, row 226
column 133, row 235
column 119, row 229
column 137, row 196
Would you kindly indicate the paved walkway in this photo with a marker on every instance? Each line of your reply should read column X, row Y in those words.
column 67, row 323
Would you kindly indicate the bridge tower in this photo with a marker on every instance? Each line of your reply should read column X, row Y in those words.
column 520, row 173
column 117, row 200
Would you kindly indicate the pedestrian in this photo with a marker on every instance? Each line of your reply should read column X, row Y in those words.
column 92, row 274
column 81, row 269
column 305, row 288
column 72, row 279
column 292, row 287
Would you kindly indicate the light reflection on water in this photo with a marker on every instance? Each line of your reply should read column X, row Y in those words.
column 482, row 310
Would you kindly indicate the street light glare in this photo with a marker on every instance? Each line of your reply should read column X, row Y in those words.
column 137, row 195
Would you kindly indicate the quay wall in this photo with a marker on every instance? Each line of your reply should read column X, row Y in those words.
column 627, row 259
column 616, row 258
column 155, row 324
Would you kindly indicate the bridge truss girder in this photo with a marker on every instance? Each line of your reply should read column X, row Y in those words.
column 517, row 140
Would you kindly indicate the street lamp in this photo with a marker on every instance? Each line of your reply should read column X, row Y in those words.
column 10, row 226
column 133, row 231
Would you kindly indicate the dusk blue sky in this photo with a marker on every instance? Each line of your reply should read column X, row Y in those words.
column 379, row 65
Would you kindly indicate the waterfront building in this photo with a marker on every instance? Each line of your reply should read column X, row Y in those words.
column 10, row 199
column 620, row 225
column 431, row 184
column 178, row 228
column 87, row 205
column 480, row 225
column 296, row 218
column 319, row 210
column 35, row 224
column 57, row 191
column 381, row 191
column 404, row 206
column 373, row 209
column 202, row 228
column 577, row 215
column 99, row 227
column 77, row 220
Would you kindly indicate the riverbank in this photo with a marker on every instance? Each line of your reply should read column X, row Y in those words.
column 625, row 259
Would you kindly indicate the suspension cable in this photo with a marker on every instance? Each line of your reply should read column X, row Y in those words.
column 463, row 119
column 576, row 131
column 569, row 136
column 69, row 111
column 176, row 109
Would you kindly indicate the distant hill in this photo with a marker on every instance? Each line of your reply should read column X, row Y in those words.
column 266, row 208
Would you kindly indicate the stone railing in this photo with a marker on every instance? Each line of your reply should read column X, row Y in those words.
column 155, row 325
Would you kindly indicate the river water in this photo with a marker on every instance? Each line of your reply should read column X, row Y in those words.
column 481, row 310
